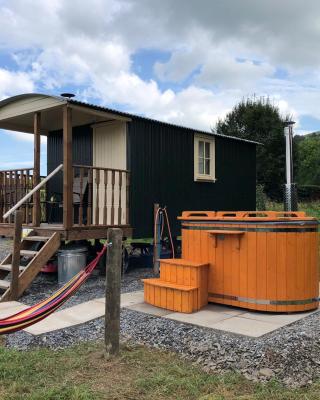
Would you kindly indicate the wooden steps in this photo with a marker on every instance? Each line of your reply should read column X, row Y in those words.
column 37, row 238
column 8, row 267
column 30, row 253
column 34, row 252
column 182, row 286
column 169, row 285
column 4, row 284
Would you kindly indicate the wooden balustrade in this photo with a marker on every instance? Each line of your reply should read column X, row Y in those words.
column 100, row 196
column 14, row 185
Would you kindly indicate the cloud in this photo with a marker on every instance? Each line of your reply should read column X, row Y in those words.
column 218, row 67
column 220, row 52
column 285, row 32
column 12, row 83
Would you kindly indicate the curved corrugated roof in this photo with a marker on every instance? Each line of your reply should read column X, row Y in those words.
column 12, row 99
column 116, row 112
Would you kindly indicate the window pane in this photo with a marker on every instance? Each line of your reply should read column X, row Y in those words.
column 207, row 167
column 201, row 166
column 207, row 149
column 201, row 148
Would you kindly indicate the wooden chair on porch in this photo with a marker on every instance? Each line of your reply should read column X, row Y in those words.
column 80, row 198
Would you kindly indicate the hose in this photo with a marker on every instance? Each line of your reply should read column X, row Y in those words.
column 164, row 211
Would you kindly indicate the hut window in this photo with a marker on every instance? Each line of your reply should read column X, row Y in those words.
column 204, row 158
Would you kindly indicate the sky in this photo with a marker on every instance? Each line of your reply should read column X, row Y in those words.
column 183, row 61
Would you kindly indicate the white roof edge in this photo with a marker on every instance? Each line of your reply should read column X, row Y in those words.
column 12, row 99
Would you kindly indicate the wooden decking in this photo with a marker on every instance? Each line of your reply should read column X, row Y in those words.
column 74, row 233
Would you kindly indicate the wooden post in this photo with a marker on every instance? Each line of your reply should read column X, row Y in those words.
column 67, row 168
column 36, row 212
column 113, row 284
column 128, row 199
column 112, row 196
column 156, row 240
column 16, row 254
column 2, row 197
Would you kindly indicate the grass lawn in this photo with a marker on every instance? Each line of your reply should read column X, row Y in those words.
column 83, row 373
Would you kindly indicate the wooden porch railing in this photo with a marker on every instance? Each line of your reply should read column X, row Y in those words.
column 100, row 196
column 14, row 185
column 17, row 192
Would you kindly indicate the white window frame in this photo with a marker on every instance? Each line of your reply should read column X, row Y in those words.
column 198, row 177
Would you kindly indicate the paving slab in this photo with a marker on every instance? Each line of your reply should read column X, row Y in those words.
column 212, row 316
column 149, row 309
column 245, row 326
column 75, row 315
column 127, row 299
column 276, row 319
column 204, row 318
column 9, row 308
column 80, row 314
column 219, row 308
column 237, row 321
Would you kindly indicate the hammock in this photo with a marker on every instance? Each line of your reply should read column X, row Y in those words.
column 38, row 312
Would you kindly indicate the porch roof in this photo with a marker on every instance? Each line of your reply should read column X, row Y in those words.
column 17, row 113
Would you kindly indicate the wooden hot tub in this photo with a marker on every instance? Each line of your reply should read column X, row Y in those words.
column 263, row 260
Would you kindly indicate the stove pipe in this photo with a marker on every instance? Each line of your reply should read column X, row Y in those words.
column 290, row 190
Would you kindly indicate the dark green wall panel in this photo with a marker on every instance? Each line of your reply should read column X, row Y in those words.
column 162, row 170
column 160, row 158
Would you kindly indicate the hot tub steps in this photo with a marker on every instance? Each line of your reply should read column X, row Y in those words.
column 170, row 296
column 182, row 286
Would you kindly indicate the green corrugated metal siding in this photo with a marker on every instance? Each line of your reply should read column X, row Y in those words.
column 160, row 158
column 162, row 171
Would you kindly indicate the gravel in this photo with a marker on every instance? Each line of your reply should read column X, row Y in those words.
column 290, row 354
column 46, row 284
column 5, row 247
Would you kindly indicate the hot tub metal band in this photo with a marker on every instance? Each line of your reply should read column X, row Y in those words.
column 220, row 228
column 234, row 222
column 264, row 302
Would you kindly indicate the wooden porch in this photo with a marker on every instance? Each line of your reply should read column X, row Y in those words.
column 100, row 200
column 91, row 200
column 75, row 201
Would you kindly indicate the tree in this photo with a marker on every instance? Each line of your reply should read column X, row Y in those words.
column 308, row 159
column 259, row 120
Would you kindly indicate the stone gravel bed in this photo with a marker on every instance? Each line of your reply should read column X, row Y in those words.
column 290, row 354
column 46, row 284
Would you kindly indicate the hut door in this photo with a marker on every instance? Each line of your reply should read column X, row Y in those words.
column 110, row 151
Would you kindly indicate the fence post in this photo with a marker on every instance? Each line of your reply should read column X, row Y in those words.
column 113, row 284
column 15, row 264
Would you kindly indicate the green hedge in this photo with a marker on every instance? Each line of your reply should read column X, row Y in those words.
column 308, row 192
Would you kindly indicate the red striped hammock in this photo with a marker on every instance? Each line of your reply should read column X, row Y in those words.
column 36, row 313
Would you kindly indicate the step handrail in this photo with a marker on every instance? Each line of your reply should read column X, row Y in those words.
column 31, row 193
